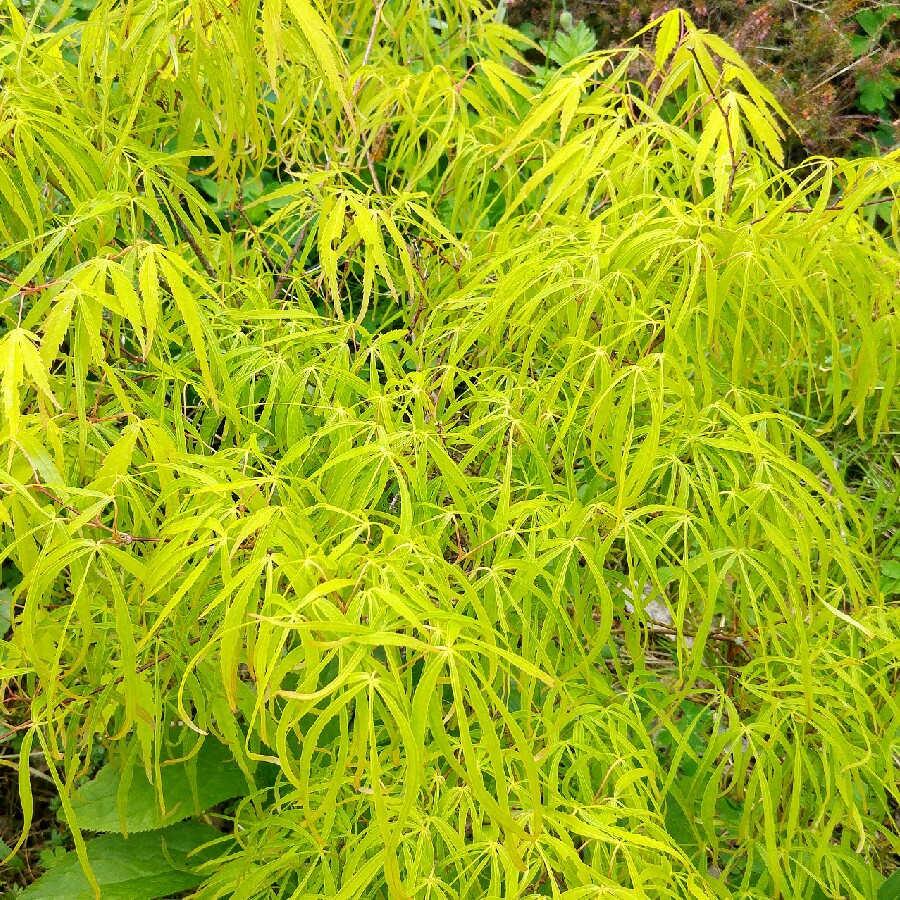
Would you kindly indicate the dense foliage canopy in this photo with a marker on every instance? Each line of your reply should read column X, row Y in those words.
column 435, row 459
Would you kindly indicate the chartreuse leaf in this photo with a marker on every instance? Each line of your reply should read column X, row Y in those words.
column 503, row 457
column 141, row 867
column 20, row 364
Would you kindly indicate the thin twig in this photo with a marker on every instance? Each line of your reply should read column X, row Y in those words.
column 420, row 299
column 436, row 395
column 285, row 269
column 459, row 86
column 378, row 8
column 439, row 253
column 735, row 162
column 198, row 251
column 95, row 523
column 371, row 164
column 259, row 242
column 30, row 289
column 735, row 640
column 843, row 71
column 658, row 338
column 686, row 121
column 120, row 537
column 837, row 206
column 820, row 12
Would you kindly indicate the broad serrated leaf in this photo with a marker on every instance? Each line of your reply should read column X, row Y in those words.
column 141, row 867
column 187, row 788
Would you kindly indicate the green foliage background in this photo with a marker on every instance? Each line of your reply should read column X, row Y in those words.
column 356, row 387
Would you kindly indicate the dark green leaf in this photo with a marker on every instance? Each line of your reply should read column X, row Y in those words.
column 889, row 889
column 216, row 775
column 141, row 867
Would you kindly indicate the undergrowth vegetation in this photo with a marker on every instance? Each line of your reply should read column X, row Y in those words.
column 426, row 478
column 833, row 65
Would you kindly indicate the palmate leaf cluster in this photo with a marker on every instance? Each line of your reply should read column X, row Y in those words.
column 448, row 443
